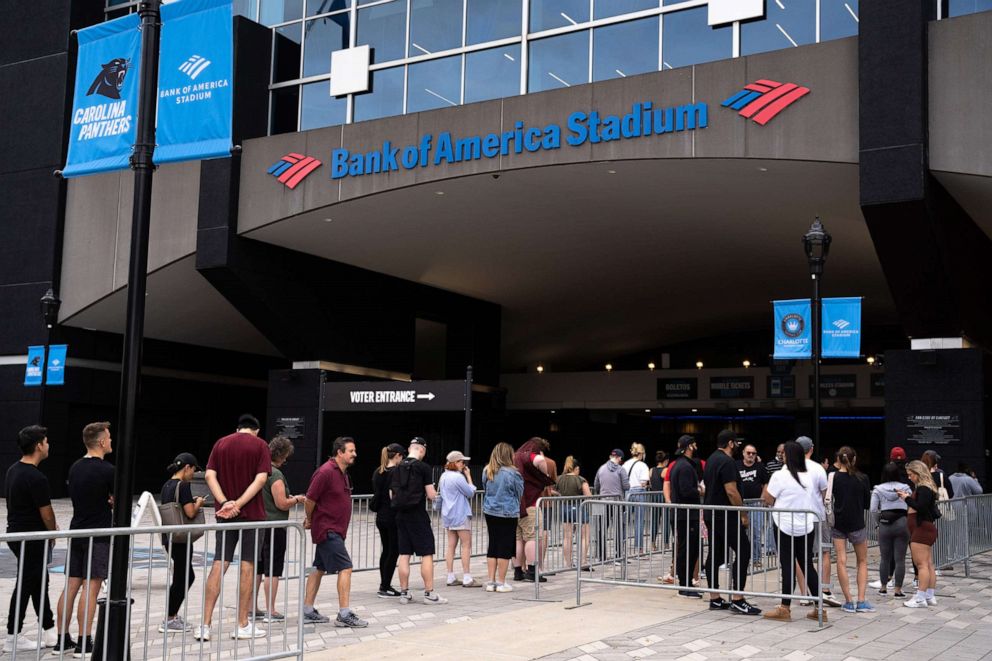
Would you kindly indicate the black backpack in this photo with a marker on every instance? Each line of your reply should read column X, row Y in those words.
column 407, row 489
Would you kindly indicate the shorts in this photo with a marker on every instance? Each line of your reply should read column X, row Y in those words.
column 527, row 526
column 272, row 557
column 856, row 537
column 464, row 525
column 99, row 561
column 571, row 514
column 413, row 533
column 924, row 532
column 331, row 556
column 226, row 541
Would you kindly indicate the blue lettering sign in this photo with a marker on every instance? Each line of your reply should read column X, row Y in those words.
column 792, row 329
column 841, row 327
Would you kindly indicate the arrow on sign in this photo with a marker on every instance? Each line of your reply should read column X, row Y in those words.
column 429, row 396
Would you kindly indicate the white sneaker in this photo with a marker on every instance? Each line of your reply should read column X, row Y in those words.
column 491, row 586
column 931, row 601
column 451, row 581
column 504, row 587
column 248, row 632
column 915, row 603
column 875, row 584
column 202, row 633
column 22, row 643
column 50, row 637
column 433, row 598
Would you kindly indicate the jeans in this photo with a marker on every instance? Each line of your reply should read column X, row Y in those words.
column 638, row 516
column 757, row 517
column 893, row 538
column 32, row 580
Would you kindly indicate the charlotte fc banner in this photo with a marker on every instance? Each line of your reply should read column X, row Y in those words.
column 105, row 105
column 841, row 327
column 195, row 97
column 792, row 329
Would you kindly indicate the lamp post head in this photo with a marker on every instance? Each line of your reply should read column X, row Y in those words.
column 816, row 242
column 50, row 304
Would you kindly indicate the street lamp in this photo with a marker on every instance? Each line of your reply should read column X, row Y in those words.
column 50, row 304
column 816, row 243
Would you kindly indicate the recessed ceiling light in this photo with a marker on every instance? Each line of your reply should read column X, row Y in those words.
column 647, row 410
column 695, row 410
column 439, row 192
column 740, row 410
column 540, row 369
column 762, row 169
column 611, row 171
column 327, row 220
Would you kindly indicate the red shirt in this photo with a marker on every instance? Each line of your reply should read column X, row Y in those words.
column 238, row 458
column 330, row 490
column 534, row 480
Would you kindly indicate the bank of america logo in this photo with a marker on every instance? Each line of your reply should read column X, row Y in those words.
column 292, row 168
column 762, row 100
column 841, row 324
column 194, row 66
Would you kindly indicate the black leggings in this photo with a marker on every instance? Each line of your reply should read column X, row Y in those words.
column 32, row 579
column 182, row 577
column 390, row 551
column 797, row 549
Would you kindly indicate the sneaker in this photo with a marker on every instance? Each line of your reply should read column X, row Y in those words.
column 690, row 594
column 931, row 601
column 405, row 597
column 696, row 582
column 451, row 581
column 350, row 620
column 779, row 613
column 830, row 600
column 314, row 617
column 203, row 632
column 491, row 586
column 814, row 615
column 84, row 647
column 64, row 645
column 175, row 625
column 875, row 584
column 471, row 584
column 530, row 576
column 258, row 614
column 504, row 587
column 667, row 579
column 899, row 595
column 387, row 593
column 915, row 603
column 518, row 574
column 432, row 598
column 719, row 604
column 273, row 617
column 248, row 632
column 587, row 568
column 20, row 642
column 883, row 591
column 743, row 608
column 849, row 607
column 49, row 637
column 864, row 607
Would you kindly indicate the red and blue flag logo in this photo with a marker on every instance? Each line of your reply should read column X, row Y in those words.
column 764, row 99
column 292, row 168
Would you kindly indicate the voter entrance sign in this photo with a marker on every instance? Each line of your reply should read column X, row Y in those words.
column 395, row 396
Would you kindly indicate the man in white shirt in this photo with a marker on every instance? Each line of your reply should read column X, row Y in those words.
column 826, row 544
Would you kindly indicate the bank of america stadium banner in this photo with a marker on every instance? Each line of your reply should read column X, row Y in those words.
column 792, row 329
column 195, row 95
column 105, row 105
column 841, row 327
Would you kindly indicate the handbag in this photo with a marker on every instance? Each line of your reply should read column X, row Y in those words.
column 828, row 501
column 948, row 512
column 173, row 514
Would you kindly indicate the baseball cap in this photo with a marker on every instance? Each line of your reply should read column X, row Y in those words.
column 897, row 454
column 248, row 421
column 617, row 452
column 418, row 440
column 186, row 459
column 395, row 448
column 455, row 455
column 805, row 442
column 684, row 442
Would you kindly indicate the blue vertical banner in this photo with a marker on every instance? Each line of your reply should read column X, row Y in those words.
column 841, row 327
column 793, row 335
column 56, row 365
column 104, row 117
column 195, row 75
column 34, row 371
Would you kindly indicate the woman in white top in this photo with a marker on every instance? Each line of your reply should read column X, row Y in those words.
column 794, row 488
column 639, row 475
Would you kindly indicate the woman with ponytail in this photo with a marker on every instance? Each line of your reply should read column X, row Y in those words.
column 922, row 504
column 851, row 496
column 385, row 519
column 177, row 488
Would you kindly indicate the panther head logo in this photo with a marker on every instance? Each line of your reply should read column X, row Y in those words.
column 36, row 361
column 109, row 81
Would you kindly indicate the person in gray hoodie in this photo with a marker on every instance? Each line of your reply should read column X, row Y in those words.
column 893, row 533
column 612, row 482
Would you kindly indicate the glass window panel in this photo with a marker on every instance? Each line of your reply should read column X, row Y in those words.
column 788, row 23
column 315, row 7
column 688, row 39
column 962, row 7
column 492, row 74
column 385, row 98
column 606, row 8
column 547, row 14
column 383, row 27
column 489, row 20
column 246, row 8
column 280, row 11
column 285, row 103
column 838, row 19
column 560, row 61
column 324, row 36
column 435, row 25
column 625, row 49
column 286, row 46
column 320, row 108
column 434, row 84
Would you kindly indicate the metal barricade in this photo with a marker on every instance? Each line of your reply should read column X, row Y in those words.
column 953, row 532
column 157, row 559
column 978, row 509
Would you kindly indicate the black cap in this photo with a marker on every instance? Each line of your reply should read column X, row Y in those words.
column 684, row 442
column 418, row 440
column 617, row 452
column 248, row 421
column 395, row 448
column 185, row 459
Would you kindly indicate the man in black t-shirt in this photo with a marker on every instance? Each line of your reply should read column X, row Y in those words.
column 91, row 487
column 727, row 530
column 754, row 477
column 683, row 488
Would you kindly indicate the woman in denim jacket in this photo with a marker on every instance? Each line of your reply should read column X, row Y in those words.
column 501, row 504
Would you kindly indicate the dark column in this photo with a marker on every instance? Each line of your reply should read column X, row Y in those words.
column 294, row 398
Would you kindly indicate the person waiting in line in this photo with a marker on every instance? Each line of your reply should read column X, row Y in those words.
column 922, row 512
column 932, row 461
column 699, row 466
column 530, row 462
column 572, row 485
column 639, row 477
column 893, row 534
column 816, row 468
column 612, row 482
column 504, row 487
column 772, row 466
column 177, row 490
column 544, row 535
column 456, row 490
column 385, row 518
column 685, row 490
column 754, row 477
column 964, row 483
column 656, row 483
column 795, row 487
column 278, row 502
column 850, row 497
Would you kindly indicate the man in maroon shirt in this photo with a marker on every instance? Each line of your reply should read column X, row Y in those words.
column 238, row 468
column 531, row 464
column 328, row 512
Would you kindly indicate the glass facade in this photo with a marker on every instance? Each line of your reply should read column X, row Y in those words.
column 438, row 53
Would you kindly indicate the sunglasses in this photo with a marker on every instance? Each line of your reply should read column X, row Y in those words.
column 750, row 453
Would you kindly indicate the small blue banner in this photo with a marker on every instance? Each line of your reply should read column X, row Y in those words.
column 35, row 366
column 841, row 327
column 104, row 117
column 56, row 365
column 195, row 75
column 793, row 336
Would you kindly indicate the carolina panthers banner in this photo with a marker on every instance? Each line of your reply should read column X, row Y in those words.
column 195, row 97
column 34, row 371
column 841, row 327
column 105, row 106
column 793, row 336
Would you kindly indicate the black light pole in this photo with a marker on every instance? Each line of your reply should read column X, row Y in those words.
column 117, row 644
column 468, row 411
column 816, row 242
column 50, row 304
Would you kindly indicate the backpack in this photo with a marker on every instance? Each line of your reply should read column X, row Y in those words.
column 406, row 489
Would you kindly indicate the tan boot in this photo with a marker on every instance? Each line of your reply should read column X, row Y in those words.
column 780, row 613
column 812, row 615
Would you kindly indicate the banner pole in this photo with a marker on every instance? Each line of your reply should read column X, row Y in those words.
column 468, row 412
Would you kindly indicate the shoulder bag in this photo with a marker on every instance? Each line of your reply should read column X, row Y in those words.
column 173, row 514
column 828, row 501
column 946, row 512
